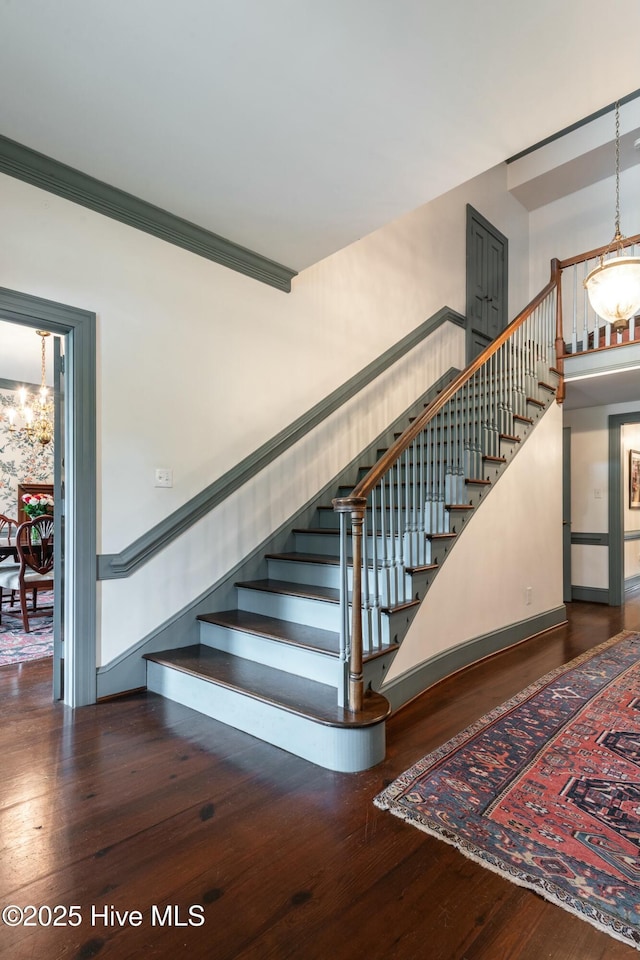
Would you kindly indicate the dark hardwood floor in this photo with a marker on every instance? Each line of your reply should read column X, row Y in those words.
column 139, row 803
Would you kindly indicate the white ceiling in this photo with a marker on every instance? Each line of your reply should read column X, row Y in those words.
column 294, row 127
column 21, row 353
column 623, row 386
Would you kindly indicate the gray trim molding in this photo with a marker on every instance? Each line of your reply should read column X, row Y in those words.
column 16, row 384
column 574, row 126
column 411, row 684
column 41, row 171
column 79, row 329
column 632, row 535
column 590, row 594
column 127, row 671
column 590, row 539
column 133, row 556
column 616, row 523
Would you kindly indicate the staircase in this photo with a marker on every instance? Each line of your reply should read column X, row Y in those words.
column 299, row 660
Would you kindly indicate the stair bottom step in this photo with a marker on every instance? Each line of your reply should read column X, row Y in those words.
column 298, row 715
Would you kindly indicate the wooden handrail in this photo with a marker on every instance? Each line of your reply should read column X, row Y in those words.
column 598, row 252
column 355, row 504
column 377, row 472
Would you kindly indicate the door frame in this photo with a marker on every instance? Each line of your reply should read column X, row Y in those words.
column 616, row 513
column 78, row 327
column 474, row 215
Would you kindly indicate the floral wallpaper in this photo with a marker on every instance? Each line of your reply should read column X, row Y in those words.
column 20, row 460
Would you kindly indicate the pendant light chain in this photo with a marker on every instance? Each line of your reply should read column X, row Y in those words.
column 618, row 235
column 613, row 287
column 43, row 369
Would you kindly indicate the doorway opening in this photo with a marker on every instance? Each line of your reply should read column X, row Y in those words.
column 30, row 485
column 76, row 543
column 624, row 516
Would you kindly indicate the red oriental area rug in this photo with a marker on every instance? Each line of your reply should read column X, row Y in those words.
column 16, row 646
column 545, row 789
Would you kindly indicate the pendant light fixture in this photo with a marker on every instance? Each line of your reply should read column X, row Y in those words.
column 614, row 285
column 35, row 412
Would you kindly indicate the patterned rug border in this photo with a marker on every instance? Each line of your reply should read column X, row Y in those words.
column 545, row 888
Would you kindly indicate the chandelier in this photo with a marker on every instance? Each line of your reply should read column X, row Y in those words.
column 614, row 285
column 35, row 412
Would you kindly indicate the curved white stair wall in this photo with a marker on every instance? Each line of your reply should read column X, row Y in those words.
column 512, row 543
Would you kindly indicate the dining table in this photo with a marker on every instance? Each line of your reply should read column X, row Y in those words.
column 8, row 549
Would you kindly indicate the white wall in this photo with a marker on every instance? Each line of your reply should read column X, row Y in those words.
column 590, row 488
column 579, row 222
column 197, row 365
column 513, row 543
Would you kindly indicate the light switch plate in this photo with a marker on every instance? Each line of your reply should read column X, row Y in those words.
column 164, row 477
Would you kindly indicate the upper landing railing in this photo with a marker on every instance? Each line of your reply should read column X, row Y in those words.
column 583, row 329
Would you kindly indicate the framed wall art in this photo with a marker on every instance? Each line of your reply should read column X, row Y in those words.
column 634, row 478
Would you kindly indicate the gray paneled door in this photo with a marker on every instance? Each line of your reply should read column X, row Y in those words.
column 487, row 282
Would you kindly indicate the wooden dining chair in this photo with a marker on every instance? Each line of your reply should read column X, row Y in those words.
column 8, row 529
column 8, row 552
column 34, row 542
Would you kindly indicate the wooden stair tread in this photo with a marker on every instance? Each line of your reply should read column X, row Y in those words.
column 521, row 419
column 475, row 481
column 536, row 403
column 546, row 386
column 407, row 605
column 423, row 568
column 326, row 594
column 447, row 506
column 284, row 631
column 287, row 588
column 332, row 531
column 491, row 459
column 441, row 536
column 294, row 557
column 306, row 698
column 510, row 437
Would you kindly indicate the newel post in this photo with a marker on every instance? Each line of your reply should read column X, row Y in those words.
column 356, row 506
column 556, row 274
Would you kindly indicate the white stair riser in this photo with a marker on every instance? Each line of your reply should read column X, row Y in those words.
column 327, row 545
column 314, row 613
column 318, row 574
column 311, row 664
column 327, row 520
column 345, row 750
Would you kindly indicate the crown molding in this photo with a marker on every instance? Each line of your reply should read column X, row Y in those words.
column 41, row 171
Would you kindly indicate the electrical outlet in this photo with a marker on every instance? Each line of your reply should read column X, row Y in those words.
column 528, row 594
column 164, row 477
column 597, row 494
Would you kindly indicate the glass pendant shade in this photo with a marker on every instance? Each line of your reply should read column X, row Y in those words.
column 614, row 289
